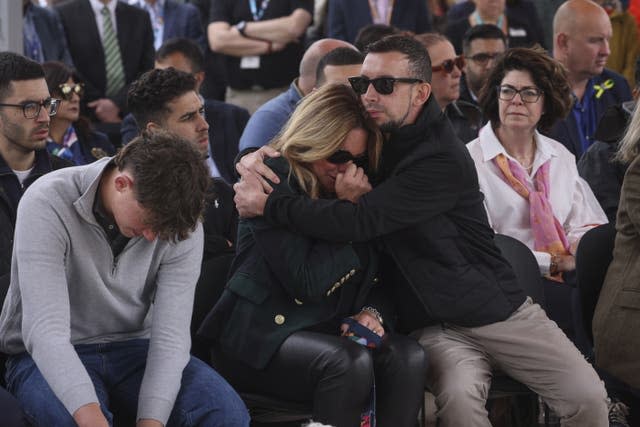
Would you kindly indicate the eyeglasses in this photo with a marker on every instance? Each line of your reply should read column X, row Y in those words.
column 382, row 85
column 67, row 90
column 447, row 66
column 31, row 110
column 527, row 94
column 483, row 58
column 342, row 156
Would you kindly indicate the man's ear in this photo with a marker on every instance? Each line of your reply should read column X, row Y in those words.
column 123, row 182
column 152, row 127
column 422, row 94
column 561, row 41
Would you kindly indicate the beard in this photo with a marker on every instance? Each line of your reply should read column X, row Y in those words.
column 390, row 126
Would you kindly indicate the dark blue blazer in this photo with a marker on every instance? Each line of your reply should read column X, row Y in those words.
column 566, row 131
column 51, row 34
column 346, row 17
column 226, row 123
column 183, row 20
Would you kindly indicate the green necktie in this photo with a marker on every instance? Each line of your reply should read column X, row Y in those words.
column 112, row 59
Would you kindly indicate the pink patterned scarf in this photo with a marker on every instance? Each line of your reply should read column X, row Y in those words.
column 548, row 234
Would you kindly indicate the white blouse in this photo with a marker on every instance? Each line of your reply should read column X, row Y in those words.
column 572, row 201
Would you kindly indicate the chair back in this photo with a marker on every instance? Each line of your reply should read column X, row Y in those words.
column 524, row 266
column 593, row 256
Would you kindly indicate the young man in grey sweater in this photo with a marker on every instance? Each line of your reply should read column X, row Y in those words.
column 106, row 258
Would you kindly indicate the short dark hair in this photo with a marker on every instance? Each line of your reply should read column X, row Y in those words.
column 338, row 56
column 15, row 67
column 482, row 31
column 372, row 33
column 187, row 47
column 548, row 75
column 419, row 61
column 149, row 95
column 170, row 181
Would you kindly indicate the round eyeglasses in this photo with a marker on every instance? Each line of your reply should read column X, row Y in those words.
column 67, row 90
column 31, row 109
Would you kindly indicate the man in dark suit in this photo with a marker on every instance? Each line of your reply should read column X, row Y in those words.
column 84, row 25
column 173, row 19
column 581, row 31
column 346, row 17
column 42, row 35
column 226, row 121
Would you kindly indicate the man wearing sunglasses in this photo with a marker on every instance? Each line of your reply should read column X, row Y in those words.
column 481, row 46
column 452, row 289
column 25, row 110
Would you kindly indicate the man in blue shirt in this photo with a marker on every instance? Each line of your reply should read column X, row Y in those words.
column 582, row 30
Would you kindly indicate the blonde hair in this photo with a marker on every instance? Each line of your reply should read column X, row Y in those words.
column 317, row 129
column 628, row 148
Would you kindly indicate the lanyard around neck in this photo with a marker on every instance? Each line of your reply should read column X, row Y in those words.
column 257, row 14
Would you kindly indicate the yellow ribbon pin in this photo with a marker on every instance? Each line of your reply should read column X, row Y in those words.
column 608, row 84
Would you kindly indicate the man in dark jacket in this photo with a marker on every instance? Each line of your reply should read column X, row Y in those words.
column 226, row 121
column 453, row 290
column 25, row 108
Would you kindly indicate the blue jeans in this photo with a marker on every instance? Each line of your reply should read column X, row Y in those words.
column 205, row 399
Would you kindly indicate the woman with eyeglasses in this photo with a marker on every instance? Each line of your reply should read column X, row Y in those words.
column 530, row 182
column 278, row 325
column 70, row 135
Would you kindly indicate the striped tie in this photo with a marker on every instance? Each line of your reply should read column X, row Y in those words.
column 112, row 59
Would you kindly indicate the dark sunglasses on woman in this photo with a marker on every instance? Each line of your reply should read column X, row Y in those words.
column 341, row 157
column 447, row 66
column 67, row 90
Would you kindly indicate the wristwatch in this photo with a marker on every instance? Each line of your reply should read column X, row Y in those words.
column 553, row 265
column 241, row 27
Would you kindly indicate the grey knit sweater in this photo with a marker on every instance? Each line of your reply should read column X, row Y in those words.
column 67, row 289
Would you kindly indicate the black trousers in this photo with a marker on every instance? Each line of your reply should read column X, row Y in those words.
column 336, row 374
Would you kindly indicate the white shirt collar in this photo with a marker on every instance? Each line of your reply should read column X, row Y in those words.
column 97, row 6
column 491, row 147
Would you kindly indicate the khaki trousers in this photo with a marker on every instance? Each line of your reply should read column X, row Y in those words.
column 528, row 347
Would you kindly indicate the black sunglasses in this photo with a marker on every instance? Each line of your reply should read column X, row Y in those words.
column 67, row 90
column 382, row 85
column 447, row 66
column 341, row 157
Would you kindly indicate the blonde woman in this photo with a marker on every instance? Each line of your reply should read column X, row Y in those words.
column 278, row 323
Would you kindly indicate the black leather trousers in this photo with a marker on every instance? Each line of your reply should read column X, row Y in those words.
column 336, row 374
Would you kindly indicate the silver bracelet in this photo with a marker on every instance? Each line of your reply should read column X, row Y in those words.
column 375, row 313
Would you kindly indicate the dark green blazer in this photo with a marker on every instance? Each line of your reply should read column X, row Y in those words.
column 282, row 282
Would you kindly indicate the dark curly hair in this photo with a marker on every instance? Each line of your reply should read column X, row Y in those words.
column 149, row 95
column 14, row 67
column 548, row 75
column 170, row 181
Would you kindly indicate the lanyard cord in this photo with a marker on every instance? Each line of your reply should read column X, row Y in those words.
column 258, row 14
